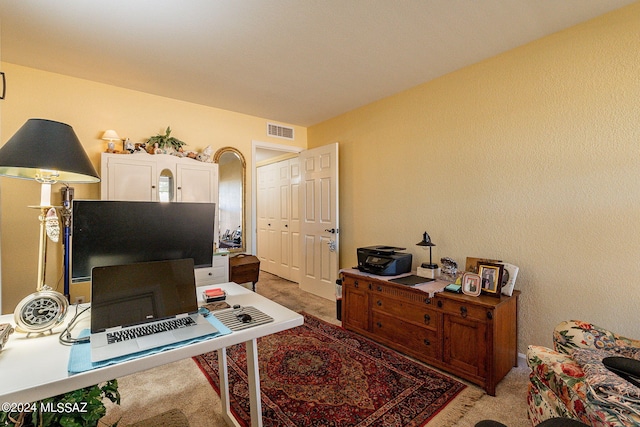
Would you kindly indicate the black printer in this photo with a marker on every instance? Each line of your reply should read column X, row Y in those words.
column 384, row 260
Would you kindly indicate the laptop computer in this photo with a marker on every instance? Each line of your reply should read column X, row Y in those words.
column 136, row 307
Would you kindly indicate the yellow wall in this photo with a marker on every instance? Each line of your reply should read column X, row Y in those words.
column 532, row 157
column 91, row 108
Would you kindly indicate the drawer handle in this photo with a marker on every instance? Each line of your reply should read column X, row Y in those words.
column 463, row 311
column 427, row 319
column 379, row 303
column 379, row 325
column 427, row 342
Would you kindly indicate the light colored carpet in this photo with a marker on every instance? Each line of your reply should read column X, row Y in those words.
column 181, row 385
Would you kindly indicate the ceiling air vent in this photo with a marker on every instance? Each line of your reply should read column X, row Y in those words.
column 279, row 131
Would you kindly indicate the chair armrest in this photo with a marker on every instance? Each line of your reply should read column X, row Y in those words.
column 572, row 334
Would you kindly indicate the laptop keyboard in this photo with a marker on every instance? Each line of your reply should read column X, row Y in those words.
column 143, row 330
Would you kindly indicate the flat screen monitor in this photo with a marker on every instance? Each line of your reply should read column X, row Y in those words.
column 110, row 232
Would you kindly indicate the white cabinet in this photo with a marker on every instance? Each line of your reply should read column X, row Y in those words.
column 165, row 178
column 158, row 177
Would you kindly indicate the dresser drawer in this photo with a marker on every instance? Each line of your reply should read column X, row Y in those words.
column 464, row 309
column 417, row 340
column 406, row 311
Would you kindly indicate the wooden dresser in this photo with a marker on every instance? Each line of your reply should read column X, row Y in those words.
column 474, row 338
column 244, row 268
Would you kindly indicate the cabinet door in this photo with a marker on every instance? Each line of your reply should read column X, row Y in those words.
column 465, row 344
column 355, row 306
column 130, row 179
column 196, row 182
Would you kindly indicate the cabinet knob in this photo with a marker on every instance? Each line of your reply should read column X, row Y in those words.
column 379, row 325
column 427, row 319
column 153, row 186
column 490, row 315
column 463, row 311
column 439, row 304
column 179, row 188
column 427, row 342
column 379, row 288
column 427, row 300
column 379, row 303
column 356, row 284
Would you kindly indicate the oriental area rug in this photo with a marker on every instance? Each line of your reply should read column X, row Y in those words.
column 319, row 374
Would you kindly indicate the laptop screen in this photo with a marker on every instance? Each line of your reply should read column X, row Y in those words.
column 125, row 295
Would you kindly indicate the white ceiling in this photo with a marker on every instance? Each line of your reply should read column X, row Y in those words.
column 293, row 61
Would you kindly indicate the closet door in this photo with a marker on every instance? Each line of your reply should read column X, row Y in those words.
column 266, row 216
column 278, row 218
column 281, row 224
column 294, row 220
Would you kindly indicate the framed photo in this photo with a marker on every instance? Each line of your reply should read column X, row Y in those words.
column 472, row 263
column 491, row 277
column 471, row 284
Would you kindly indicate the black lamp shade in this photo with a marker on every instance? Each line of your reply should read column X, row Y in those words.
column 46, row 145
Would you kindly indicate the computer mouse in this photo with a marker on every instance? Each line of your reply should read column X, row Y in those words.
column 244, row 318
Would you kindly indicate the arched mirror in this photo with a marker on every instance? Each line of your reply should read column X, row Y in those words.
column 165, row 186
column 231, row 198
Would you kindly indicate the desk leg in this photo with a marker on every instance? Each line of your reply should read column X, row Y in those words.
column 253, row 376
column 223, row 374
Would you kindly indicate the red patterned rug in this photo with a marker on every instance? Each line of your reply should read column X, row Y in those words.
column 319, row 374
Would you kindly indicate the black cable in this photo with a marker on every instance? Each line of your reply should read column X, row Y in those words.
column 65, row 337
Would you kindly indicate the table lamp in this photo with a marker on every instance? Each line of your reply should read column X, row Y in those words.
column 429, row 270
column 111, row 135
column 47, row 152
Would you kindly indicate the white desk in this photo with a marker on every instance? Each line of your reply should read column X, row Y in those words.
column 35, row 368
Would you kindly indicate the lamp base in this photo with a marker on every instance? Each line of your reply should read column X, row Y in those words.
column 432, row 271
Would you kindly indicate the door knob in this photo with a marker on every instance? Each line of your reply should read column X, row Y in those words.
column 331, row 230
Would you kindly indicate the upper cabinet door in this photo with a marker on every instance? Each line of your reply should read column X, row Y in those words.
column 128, row 178
column 197, row 182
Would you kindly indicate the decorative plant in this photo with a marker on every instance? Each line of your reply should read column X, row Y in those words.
column 165, row 141
column 79, row 408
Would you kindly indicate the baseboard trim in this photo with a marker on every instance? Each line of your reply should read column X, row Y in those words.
column 522, row 360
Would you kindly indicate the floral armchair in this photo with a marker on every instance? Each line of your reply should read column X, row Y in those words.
column 571, row 381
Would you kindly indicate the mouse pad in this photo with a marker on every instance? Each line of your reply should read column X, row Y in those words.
column 229, row 318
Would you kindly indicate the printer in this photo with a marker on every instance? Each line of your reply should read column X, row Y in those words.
column 384, row 260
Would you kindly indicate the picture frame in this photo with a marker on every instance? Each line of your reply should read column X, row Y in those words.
column 491, row 277
column 471, row 284
column 472, row 263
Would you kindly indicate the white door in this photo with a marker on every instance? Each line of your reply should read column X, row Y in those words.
column 319, row 224
column 267, row 249
column 281, row 223
column 294, row 220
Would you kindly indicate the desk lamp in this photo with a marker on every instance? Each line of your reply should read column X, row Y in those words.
column 430, row 269
column 47, row 152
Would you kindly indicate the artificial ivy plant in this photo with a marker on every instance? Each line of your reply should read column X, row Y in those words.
column 79, row 408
